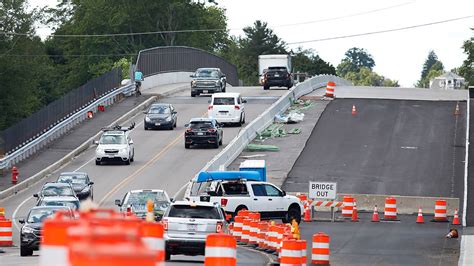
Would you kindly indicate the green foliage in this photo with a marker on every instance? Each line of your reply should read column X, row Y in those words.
column 432, row 65
column 356, row 58
column 306, row 61
column 367, row 77
column 467, row 68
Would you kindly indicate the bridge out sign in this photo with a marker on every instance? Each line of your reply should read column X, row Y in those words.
column 322, row 190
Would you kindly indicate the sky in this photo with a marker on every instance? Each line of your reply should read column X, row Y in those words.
column 398, row 55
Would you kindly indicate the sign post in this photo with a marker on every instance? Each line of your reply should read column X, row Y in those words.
column 325, row 191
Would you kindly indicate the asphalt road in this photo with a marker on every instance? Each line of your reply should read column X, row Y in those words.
column 160, row 161
column 408, row 148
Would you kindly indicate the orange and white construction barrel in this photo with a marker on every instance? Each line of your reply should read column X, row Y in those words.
column 220, row 250
column 330, row 89
column 290, row 254
column 237, row 233
column 6, row 233
column 152, row 236
column 320, row 250
column 347, row 206
column 390, row 212
column 440, row 212
column 245, row 238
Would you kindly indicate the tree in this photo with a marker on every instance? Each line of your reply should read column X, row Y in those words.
column 355, row 59
column 367, row 77
column 431, row 63
column 307, row 61
column 467, row 68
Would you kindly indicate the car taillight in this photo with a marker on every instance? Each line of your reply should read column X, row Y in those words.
column 210, row 107
column 129, row 209
column 211, row 130
column 224, row 202
column 165, row 224
column 188, row 130
column 237, row 107
column 219, row 226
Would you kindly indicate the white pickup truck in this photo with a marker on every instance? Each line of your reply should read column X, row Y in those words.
column 258, row 196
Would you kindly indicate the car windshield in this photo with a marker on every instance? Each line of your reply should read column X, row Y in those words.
column 224, row 101
column 207, row 73
column 159, row 110
column 39, row 215
column 112, row 139
column 201, row 124
column 74, row 205
column 275, row 69
column 196, row 212
column 57, row 191
column 139, row 199
column 232, row 188
column 73, row 179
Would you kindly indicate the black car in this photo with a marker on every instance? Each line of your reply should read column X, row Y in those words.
column 30, row 233
column 203, row 131
column 52, row 189
column 207, row 80
column 277, row 76
column 80, row 182
column 160, row 115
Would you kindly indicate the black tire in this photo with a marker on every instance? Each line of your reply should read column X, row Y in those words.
column 216, row 145
column 127, row 162
column 97, row 162
column 266, row 87
column 133, row 158
column 239, row 208
column 145, row 127
column 220, row 141
column 175, row 123
column 293, row 213
column 223, row 89
column 25, row 252
column 243, row 121
column 187, row 146
column 167, row 256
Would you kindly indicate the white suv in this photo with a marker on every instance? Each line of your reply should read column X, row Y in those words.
column 227, row 108
column 115, row 145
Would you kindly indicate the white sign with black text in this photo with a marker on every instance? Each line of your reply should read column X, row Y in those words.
column 322, row 190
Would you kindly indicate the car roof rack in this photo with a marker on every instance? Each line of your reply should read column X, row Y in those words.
column 117, row 127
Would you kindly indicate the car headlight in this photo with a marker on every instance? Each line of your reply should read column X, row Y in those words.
column 217, row 82
column 124, row 150
column 193, row 83
column 168, row 119
column 28, row 230
column 147, row 119
column 100, row 150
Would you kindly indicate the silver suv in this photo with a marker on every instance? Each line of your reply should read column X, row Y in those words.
column 187, row 224
column 115, row 144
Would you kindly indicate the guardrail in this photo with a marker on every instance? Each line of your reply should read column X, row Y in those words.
column 238, row 144
column 62, row 127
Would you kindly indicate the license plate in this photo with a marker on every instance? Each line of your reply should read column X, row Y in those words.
column 200, row 134
column 157, row 124
column 204, row 91
column 276, row 75
column 192, row 227
column 111, row 156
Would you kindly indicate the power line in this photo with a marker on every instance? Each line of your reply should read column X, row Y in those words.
column 210, row 30
column 383, row 31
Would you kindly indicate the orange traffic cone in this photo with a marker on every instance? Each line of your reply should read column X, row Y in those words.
column 307, row 213
column 457, row 111
column 354, row 110
column 456, row 218
column 90, row 114
column 375, row 216
column 419, row 219
column 355, row 218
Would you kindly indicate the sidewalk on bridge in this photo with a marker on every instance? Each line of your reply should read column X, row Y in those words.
column 77, row 136
column 281, row 162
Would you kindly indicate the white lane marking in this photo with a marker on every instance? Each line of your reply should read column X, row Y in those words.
column 466, row 162
column 15, row 212
column 409, row 147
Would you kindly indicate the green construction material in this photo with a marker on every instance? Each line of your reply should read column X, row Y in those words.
column 261, row 147
column 295, row 131
column 273, row 131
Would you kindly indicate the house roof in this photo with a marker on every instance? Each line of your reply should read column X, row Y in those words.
column 449, row 75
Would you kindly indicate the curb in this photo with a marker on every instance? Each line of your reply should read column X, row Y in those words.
column 84, row 146
column 271, row 258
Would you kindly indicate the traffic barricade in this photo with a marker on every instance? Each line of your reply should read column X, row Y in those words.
column 290, row 254
column 6, row 233
column 152, row 235
column 320, row 249
column 330, row 89
column 238, row 227
column 220, row 250
column 245, row 238
column 440, row 212
column 347, row 207
column 390, row 211
column 302, row 245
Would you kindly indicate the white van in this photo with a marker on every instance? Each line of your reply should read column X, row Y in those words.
column 227, row 108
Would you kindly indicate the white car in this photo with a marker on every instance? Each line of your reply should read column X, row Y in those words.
column 115, row 144
column 227, row 107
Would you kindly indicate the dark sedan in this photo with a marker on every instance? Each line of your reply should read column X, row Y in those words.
column 160, row 115
column 203, row 131
column 80, row 182
column 30, row 234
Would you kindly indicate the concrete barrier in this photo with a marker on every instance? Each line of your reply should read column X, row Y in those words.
column 166, row 78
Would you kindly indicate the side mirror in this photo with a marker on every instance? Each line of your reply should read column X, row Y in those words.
column 131, row 142
column 22, row 221
column 145, row 112
column 172, row 199
column 35, row 195
column 95, row 142
column 283, row 193
column 244, row 101
column 186, row 125
column 91, row 183
column 117, row 202
column 191, row 76
column 174, row 112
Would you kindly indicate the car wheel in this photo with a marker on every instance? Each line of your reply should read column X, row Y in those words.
column 293, row 213
column 220, row 141
column 167, row 256
column 175, row 122
column 127, row 162
column 223, row 89
column 187, row 146
column 243, row 121
column 241, row 207
column 25, row 252
column 97, row 162
column 216, row 145
column 133, row 158
column 266, row 87
column 193, row 94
